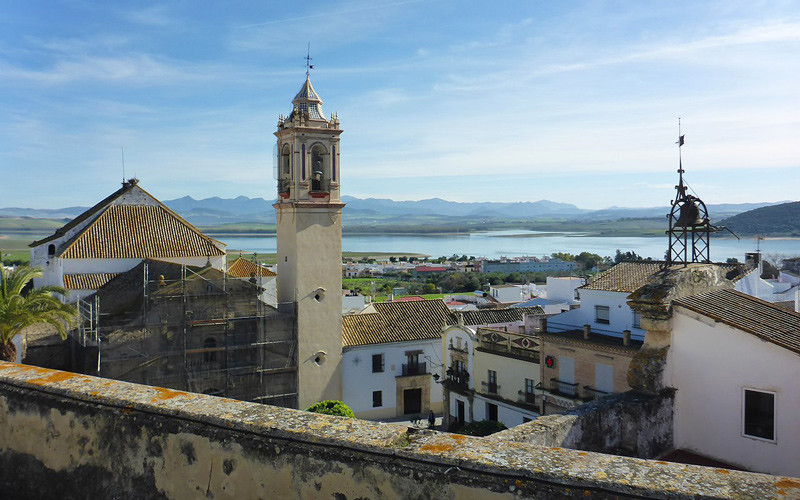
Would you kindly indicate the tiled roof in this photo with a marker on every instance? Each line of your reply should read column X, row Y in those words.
column 243, row 268
column 630, row 276
column 430, row 269
column 139, row 231
column 624, row 277
column 126, row 186
column 766, row 321
column 91, row 281
column 417, row 320
column 494, row 316
column 396, row 322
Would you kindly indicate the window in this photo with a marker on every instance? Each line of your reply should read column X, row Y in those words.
column 602, row 315
column 491, row 412
column 377, row 363
column 459, row 366
column 377, row 399
column 637, row 320
column 604, row 378
column 491, row 379
column 759, row 414
column 529, row 388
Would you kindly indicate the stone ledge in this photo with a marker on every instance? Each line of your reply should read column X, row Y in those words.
column 98, row 435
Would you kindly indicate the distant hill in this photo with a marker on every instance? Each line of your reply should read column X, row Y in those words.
column 379, row 214
column 775, row 220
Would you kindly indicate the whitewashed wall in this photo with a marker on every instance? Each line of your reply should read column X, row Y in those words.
column 709, row 364
column 620, row 315
column 358, row 381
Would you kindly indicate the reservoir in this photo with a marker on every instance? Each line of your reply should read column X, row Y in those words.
column 495, row 244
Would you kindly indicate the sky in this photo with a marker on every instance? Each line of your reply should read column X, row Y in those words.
column 570, row 101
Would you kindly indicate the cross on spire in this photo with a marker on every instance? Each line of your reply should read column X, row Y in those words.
column 308, row 58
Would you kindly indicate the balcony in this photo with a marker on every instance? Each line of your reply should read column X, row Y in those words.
column 457, row 380
column 564, row 388
column 410, row 369
column 491, row 387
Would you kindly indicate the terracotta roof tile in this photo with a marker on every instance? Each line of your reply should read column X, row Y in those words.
column 766, row 321
column 396, row 322
column 139, row 231
column 624, row 277
column 91, row 281
column 494, row 316
column 417, row 320
column 243, row 268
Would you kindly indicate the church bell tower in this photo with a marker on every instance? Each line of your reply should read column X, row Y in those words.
column 309, row 234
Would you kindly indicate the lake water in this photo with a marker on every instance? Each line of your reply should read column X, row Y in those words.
column 494, row 244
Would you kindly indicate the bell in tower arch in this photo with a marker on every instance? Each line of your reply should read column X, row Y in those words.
column 689, row 215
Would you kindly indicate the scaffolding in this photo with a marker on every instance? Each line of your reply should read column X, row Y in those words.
column 197, row 330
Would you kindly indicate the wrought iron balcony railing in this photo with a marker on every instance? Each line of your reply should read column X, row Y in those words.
column 414, row 369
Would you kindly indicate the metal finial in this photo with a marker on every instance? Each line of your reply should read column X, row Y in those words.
column 308, row 58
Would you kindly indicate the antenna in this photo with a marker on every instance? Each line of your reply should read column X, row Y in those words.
column 308, row 58
column 122, row 149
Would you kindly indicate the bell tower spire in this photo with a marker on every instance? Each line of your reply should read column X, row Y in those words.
column 689, row 226
column 309, row 235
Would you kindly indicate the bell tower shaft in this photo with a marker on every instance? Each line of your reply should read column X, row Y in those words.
column 309, row 236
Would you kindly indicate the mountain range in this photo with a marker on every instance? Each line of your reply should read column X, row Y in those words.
column 215, row 211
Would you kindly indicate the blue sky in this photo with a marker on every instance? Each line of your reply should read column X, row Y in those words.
column 486, row 101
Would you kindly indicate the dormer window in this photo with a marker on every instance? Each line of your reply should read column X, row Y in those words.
column 51, row 250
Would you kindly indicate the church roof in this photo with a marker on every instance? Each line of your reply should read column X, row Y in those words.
column 131, row 224
column 138, row 231
column 126, row 187
column 308, row 100
column 243, row 268
column 88, row 281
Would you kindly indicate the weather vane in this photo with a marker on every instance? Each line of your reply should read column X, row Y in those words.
column 308, row 58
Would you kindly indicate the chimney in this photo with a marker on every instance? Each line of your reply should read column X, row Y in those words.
column 587, row 330
column 626, row 337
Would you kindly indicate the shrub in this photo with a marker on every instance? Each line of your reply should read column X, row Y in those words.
column 483, row 428
column 332, row 407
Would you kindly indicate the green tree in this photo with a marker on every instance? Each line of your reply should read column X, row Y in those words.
column 21, row 307
column 332, row 407
column 567, row 257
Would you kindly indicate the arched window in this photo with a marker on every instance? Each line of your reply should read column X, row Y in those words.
column 51, row 250
column 210, row 356
column 320, row 178
column 285, row 164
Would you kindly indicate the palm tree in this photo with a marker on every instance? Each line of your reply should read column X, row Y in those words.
column 21, row 307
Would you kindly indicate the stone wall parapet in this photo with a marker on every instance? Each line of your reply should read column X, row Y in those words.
column 81, row 436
